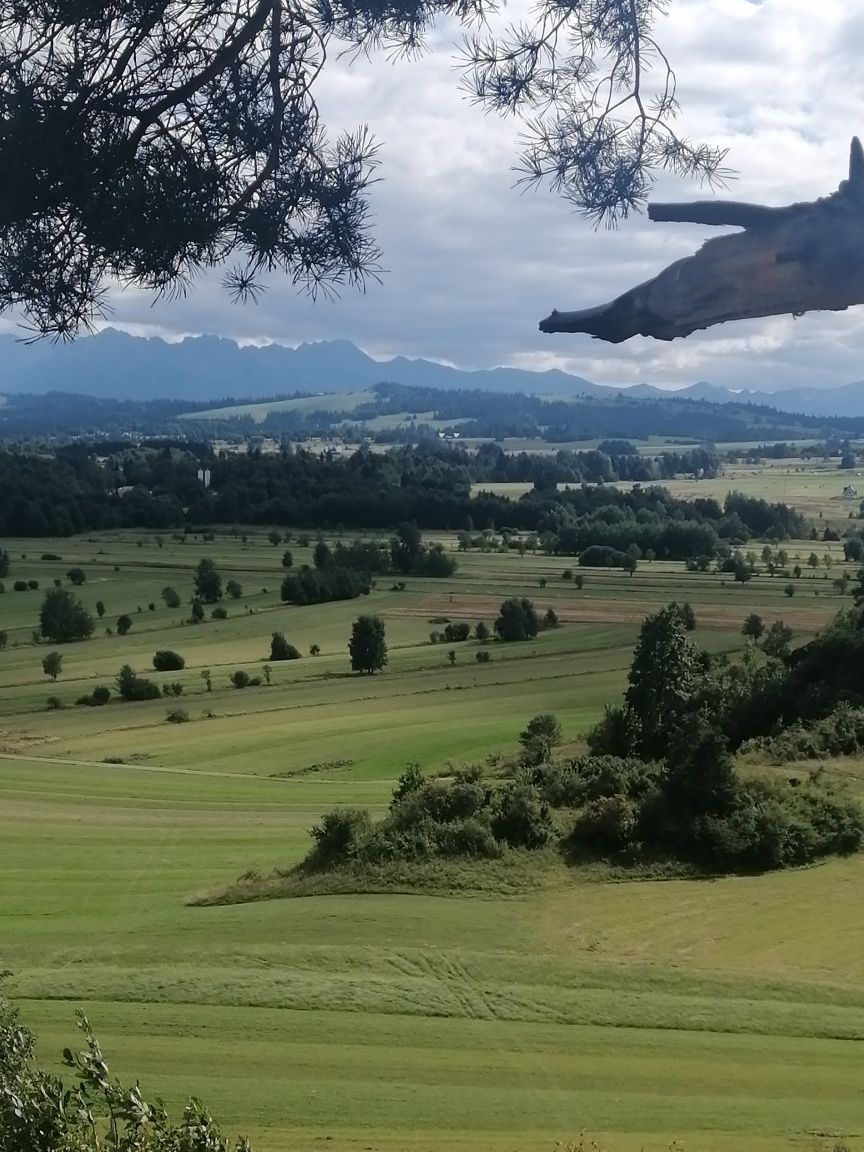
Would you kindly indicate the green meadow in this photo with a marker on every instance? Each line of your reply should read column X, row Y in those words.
column 719, row 1015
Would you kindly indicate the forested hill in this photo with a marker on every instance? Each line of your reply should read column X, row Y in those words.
column 414, row 414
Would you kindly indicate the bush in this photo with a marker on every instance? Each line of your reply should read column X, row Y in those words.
column 482, row 632
column 132, row 687
column 456, row 632
column 605, row 825
column 54, row 702
column 4, row 640
column 63, row 618
column 234, row 590
column 171, row 597
column 521, row 817
column 177, row 716
column 124, row 623
column 219, row 613
column 168, row 661
column 280, row 649
column 172, row 688
column 602, row 556
column 20, row 585
column 76, row 576
column 517, row 620
column 50, row 556
column 100, row 695
column 314, row 650
column 338, row 838
column 32, row 585
column 483, row 656
column 240, row 679
column 319, row 586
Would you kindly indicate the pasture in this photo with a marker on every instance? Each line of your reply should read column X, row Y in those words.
column 721, row 1015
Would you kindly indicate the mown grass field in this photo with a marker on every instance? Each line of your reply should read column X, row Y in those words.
column 723, row 1015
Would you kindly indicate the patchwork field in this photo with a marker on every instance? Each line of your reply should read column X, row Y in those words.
column 720, row 1015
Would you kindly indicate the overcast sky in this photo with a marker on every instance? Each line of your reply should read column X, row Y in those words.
column 473, row 263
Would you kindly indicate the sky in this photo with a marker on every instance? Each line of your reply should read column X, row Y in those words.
column 472, row 262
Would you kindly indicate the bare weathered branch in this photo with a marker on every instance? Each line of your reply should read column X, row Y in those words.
column 800, row 258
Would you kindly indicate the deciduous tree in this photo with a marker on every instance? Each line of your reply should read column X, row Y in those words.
column 367, row 646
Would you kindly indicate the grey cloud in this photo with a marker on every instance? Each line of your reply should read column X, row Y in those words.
column 473, row 263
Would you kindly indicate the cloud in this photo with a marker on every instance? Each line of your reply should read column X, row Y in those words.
column 473, row 263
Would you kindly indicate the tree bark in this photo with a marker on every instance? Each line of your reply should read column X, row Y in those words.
column 794, row 259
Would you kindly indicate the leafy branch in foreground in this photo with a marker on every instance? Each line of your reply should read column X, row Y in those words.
column 142, row 143
column 39, row 1113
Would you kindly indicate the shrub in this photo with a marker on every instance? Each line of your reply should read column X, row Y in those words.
column 605, row 825
column 20, row 585
column 789, row 589
column 521, row 817
column 54, row 702
column 4, row 640
column 124, row 623
column 172, row 688
column 168, row 661
column 314, row 650
column 171, row 597
column 280, row 649
column 456, row 632
column 550, row 619
column 100, row 609
column 63, row 618
column 483, row 656
column 219, row 613
column 196, row 612
column 482, row 632
column 234, row 590
column 132, row 687
column 50, row 556
column 32, row 585
column 339, row 836
column 100, row 695
column 240, row 679
column 254, row 682
column 58, row 583
column 567, row 574
column 177, row 716
column 517, row 620
column 76, row 576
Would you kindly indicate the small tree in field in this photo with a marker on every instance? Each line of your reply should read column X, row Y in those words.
column 287, row 559
column 196, row 612
column 280, row 649
column 100, row 609
column 753, row 626
column 207, row 678
column 208, row 582
column 52, row 664
column 64, row 618
column 367, row 646
column 631, row 558
column 171, row 597
column 517, row 619
column 482, row 632
column 234, row 590
column 124, row 623
column 274, row 537
column 541, row 734
column 777, row 640
column 76, row 576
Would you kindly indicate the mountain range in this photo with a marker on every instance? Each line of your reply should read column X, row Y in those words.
column 209, row 368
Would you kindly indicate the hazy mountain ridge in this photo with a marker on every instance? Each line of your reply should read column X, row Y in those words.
column 204, row 368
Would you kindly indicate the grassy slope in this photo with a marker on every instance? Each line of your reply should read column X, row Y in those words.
column 715, row 1013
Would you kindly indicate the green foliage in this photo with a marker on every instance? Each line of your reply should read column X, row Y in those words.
column 240, row 679
column 177, row 716
column 662, row 680
column 124, row 623
column 840, row 733
column 280, row 649
column 20, row 586
column 220, row 612
column 483, row 656
column 63, row 618
column 411, row 780
column 76, row 576
column 4, row 563
column 168, row 661
column 482, row 632
column 52, row 663
column 274, row 537
column 539, row 737
column 4, row 639
column 287, row 558
column 53, row 703
column 234, row 590
column 777, row 640
column 753, row 626
column 207, row 582
column 312, row 586
column 131, row 687
column 196, row 611
column 171, row 597
column 367, row 646
column 96, row 1113
column 550, row 618
column 339, row 838
column 517, row 620
column 457, row 631
column 521, row 817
